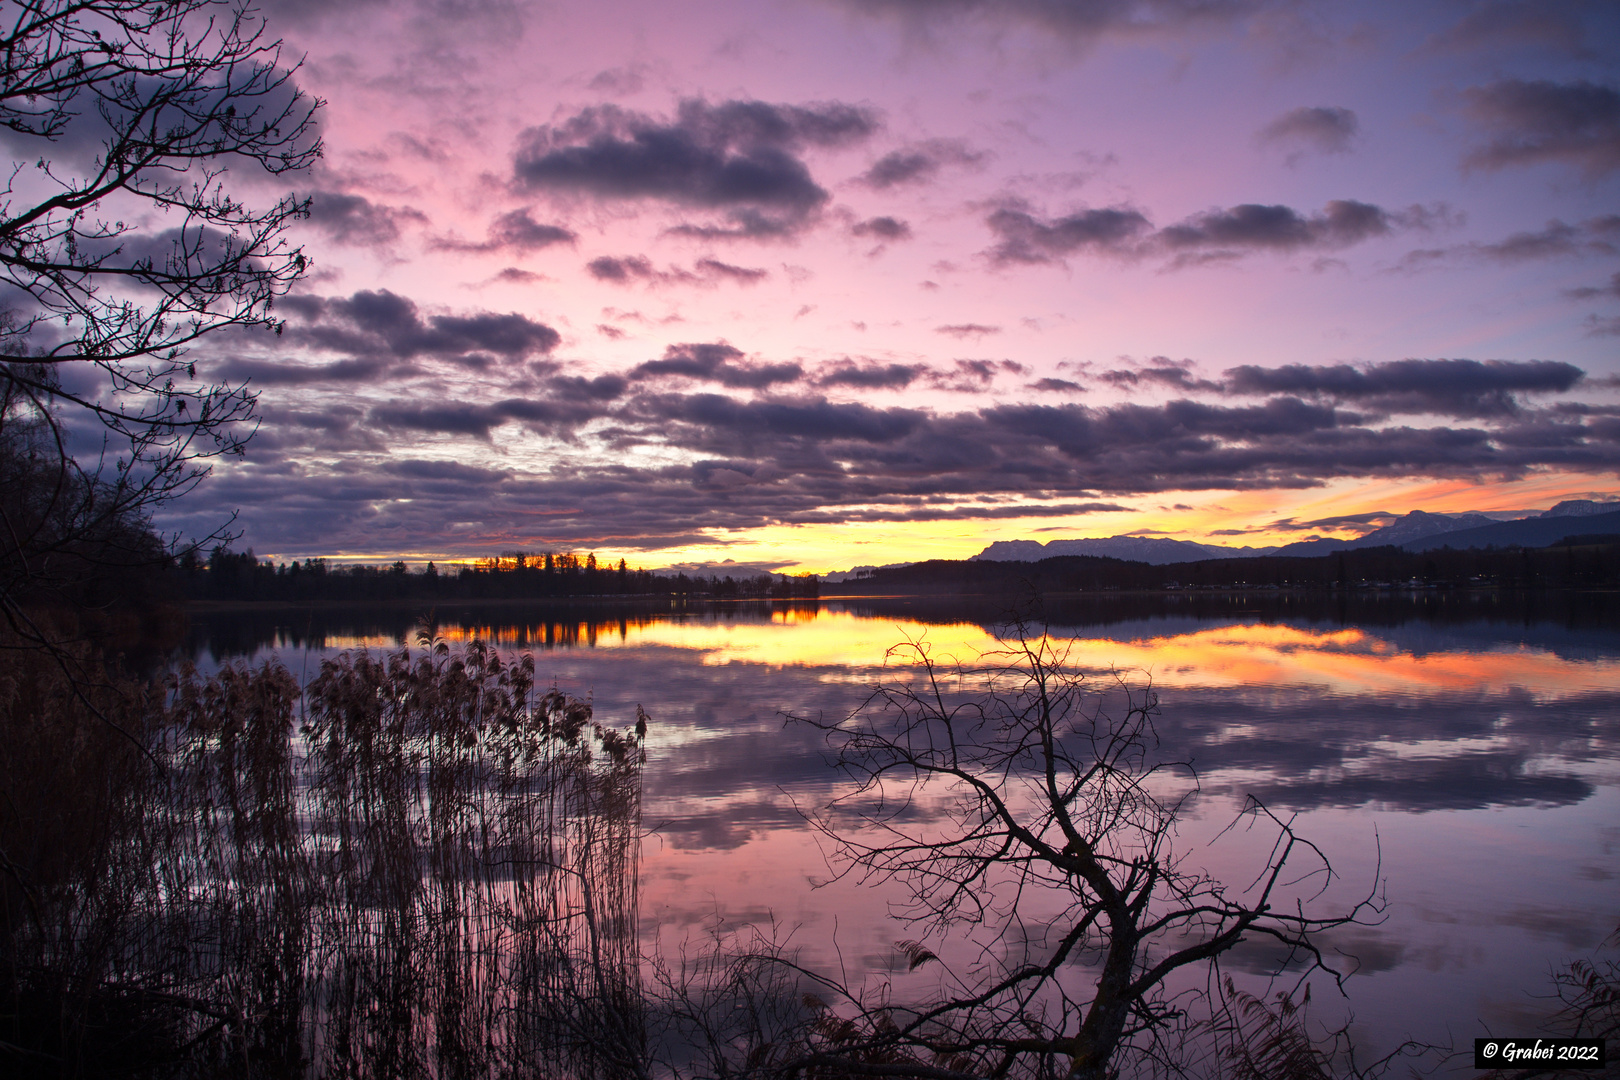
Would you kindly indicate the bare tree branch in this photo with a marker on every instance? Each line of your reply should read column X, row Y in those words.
column 1009, row 783
column 120, row 246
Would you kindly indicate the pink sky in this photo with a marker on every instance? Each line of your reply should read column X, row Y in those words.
column 815, row 283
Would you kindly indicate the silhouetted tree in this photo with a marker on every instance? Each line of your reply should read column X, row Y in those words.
column 1049, row 829
column 121, row 245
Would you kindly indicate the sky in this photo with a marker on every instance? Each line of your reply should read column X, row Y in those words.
column 810, row 284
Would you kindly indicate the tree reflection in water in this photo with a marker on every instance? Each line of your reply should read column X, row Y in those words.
column 425, row 867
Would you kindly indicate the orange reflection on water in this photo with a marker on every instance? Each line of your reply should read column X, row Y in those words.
column 1348, row 661
column 813, row 639
column 849, row 646
column 353, row 641
column 551, row 633
column 1353, row 661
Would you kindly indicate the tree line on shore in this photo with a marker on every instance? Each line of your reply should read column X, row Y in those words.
column 236, row 576
column 226, row 575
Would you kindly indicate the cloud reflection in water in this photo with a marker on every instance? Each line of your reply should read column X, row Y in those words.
column 1478, row 752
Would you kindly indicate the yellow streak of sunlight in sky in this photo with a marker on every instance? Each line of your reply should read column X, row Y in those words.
column 1248, row 517
column 823, row 548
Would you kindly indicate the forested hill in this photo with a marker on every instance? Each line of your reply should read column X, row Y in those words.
column 1582, row 562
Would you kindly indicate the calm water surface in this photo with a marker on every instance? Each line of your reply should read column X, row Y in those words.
column 1464, row 748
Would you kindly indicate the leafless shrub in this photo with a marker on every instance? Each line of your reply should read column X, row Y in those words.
column 1015, row 811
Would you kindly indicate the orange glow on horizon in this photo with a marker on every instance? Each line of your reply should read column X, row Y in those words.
column 1246, row 517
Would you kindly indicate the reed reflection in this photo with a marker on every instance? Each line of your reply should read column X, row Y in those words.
column 418, row 867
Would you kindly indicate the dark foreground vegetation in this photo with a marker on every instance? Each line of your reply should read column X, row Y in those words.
column 424, row 866
column 1573, row 563
column 421, row 866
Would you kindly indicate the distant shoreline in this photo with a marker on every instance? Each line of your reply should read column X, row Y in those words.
column 205, row 606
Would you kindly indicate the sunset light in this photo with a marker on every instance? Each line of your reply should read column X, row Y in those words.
column 824, row 283
column 943, row 539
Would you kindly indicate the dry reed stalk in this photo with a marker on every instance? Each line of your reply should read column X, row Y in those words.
column 418, row 866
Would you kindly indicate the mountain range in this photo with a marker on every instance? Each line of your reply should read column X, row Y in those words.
column 1416, row 531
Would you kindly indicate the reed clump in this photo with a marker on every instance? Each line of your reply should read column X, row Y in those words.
column 418, row 865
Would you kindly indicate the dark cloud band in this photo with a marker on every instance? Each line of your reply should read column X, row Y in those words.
column 382, row 324
column 738, row 157
column 1534, row 121
column 1022, row 236
column 738, row 462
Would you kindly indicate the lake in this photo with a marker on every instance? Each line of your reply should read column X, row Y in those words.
column 1463, row 748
